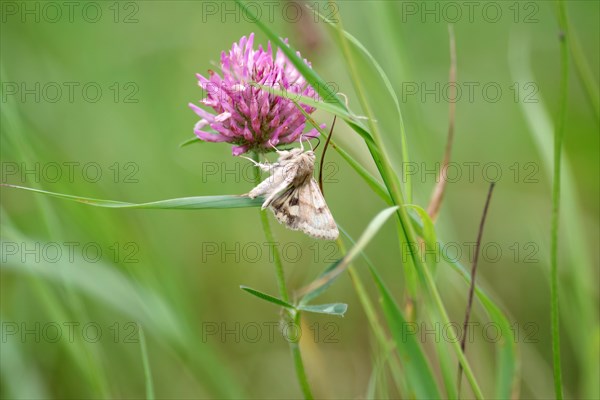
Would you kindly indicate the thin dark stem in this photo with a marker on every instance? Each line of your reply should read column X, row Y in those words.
column 323, row 155
column 463, row 341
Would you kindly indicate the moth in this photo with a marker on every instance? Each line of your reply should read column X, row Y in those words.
column 293, row 195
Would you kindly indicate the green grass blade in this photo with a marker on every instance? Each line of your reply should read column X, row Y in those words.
column 373, row 183
column 319, row 85
column 559, row 135
column 390, row 89
column 323, row 90
column 325, row 280
column 428, row 227
column 267, row 297
column 321, row 105
column 417, row 369
column 577, row 283
column 182, row 203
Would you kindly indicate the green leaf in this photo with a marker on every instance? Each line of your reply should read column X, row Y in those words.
column 332, row 309
column 333, row 271
column 182, row 203
column 416, row 367
column 267, row 297
column 428, row 227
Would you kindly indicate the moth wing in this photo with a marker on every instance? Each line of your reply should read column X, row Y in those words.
column 303, row 208
column 320, row 223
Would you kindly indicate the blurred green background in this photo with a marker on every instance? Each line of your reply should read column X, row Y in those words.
column 178, row 272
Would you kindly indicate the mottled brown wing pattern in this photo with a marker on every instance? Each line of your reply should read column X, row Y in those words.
column 303, row 208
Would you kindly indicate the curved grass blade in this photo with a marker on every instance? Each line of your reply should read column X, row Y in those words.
column 395, row 189
column 331, row 309
column 350, row 119
column 319, row 285
column 323, row 90
column 388, row 85
column 182, row 203
column 267, row 297
column 377, row 187
column 319, row 85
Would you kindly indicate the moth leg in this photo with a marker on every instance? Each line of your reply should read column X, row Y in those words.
column 267, row 167
column 261, row 188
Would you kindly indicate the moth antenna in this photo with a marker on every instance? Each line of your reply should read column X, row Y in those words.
column 301, row 144
column 318, row 143
column 323, row 155
column 345, row 98
column 310, row 144
column 274, row 148
column 249, row 159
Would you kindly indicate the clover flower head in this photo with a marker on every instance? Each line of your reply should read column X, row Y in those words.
column 246, row 114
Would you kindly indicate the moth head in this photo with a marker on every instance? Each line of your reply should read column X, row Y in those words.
column 286, row 155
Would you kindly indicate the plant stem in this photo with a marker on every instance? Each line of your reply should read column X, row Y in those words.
column 299, row 364
column 275, row 255
column 558, row 140
column 283, row 292
column 463, row 342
